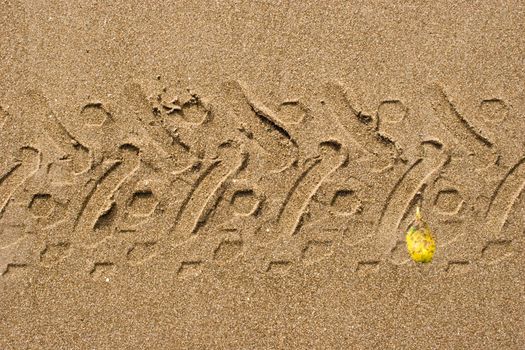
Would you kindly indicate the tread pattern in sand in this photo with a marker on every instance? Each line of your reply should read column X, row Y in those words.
column 233, row 181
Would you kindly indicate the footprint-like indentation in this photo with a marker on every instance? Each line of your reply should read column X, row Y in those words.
column 280, row 266
column 345, row 201
column 41, row 205
column 291, row 112
column 143, row 203
column 227, row 250
column 54, row 253
column 94, row 114
column 190, row 269
column 102, row 271
column 392, row 111
column 496, row 250
column 141, row 252
column 245, row 202
column 316, row 251
column 458, row 267
column 494, row 110
column 448, row 201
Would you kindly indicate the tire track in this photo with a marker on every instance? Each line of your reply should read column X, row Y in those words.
column 259, row 125
column 362, row 129
column 154, row 130
column 98, row 210
column 36, row 103
column 266, row 116
column 18, row 174
column 402, row 195
column 305, row 187
column 204, row 195
column 462, row 129
column 505, row 196
column 99, row 201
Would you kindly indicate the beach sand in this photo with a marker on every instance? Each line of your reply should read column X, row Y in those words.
column 240, row 174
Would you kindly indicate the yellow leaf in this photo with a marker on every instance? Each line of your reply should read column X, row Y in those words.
column 420, row 243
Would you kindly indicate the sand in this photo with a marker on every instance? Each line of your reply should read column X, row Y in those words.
column 240, row 174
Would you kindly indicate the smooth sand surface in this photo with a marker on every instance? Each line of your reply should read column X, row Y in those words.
column 240, row 174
